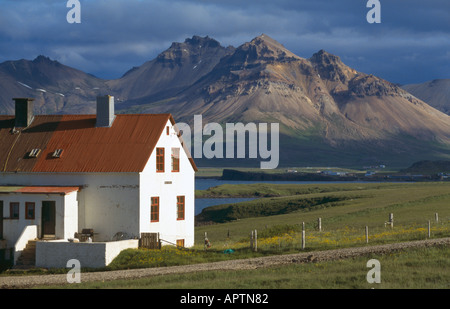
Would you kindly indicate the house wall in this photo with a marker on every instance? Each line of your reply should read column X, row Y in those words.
column 70, row 215
column 112, row 203
column 107, row 202
column 167, row 186
column 56, row 254
column 12, row 228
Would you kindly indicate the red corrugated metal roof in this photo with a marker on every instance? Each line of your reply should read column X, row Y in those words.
column 47, row 189
column 38, row 189
column 124, row 147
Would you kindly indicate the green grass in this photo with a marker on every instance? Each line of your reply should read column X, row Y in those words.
column 343, row 225
column 411, row 268
column 343, row 220
column 360, row 205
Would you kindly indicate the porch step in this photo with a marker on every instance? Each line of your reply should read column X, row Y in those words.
column 28, row 257
column 48, row 237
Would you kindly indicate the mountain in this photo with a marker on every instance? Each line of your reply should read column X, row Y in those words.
column 170, row 72
column 329, row 113
column 436, row 93
column 56, row 88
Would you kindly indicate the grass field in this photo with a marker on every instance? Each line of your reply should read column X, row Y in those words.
column 354, row 206
column 409, row 269
column 345, row 211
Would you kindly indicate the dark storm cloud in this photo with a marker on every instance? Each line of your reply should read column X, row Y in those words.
column 412, row 43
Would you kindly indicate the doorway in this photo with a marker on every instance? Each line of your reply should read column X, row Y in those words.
column 1, row 219
column 48, row 218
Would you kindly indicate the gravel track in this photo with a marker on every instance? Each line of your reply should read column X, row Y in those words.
column 12, row 282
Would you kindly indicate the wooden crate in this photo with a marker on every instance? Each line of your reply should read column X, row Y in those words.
column 150, row 241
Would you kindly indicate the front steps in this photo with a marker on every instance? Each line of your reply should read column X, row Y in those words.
column 28, row 257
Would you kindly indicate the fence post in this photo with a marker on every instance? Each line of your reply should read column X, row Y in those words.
column 251, row 240
column 436, row 217
column 429, row 228
column 319, row 224
column 303, row 236
column 391, row 219
column 255, row 242
column 367, row 234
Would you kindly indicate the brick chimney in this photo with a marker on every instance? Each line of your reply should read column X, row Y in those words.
column 24, row 112
column 105, row 111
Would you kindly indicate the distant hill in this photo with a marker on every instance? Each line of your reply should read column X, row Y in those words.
column 56, row 88
column 436, row 93
column 429, row 167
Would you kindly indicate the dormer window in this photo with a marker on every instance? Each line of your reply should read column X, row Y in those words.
column 34, row 153
column 57, row 153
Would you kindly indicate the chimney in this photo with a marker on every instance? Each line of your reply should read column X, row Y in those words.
column 24, row 112
column 105, row 111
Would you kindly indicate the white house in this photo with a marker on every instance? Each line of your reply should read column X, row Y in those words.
column 115, row 174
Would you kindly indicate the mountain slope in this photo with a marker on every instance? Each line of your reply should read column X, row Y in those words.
column 171, row 72
column 263, row 81
column 329, row 113
column 321, row 104
column 56, row 88
column 435, row 93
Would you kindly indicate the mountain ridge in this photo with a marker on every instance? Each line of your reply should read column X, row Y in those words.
column 323, row 106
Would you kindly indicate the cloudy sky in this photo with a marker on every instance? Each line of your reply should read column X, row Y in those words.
column 410, row 45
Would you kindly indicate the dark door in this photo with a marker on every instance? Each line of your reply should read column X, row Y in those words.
column 1, row 219
column 48, row 218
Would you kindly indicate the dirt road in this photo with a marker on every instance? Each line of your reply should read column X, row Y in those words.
column 12, row 282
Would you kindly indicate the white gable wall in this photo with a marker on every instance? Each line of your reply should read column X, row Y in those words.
column 167, row 186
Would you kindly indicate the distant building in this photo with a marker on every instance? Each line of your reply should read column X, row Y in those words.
column 334, row 173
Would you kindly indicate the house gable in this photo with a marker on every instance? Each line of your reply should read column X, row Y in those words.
column 126, row 146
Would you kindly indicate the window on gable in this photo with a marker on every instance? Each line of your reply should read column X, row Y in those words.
column 34, row 153
column 160, row 160
column 180, row 207
column 175, row 159
column 30, row 210
column 154, row 209
column 14, row 210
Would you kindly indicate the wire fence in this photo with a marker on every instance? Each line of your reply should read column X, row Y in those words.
column 298, row 237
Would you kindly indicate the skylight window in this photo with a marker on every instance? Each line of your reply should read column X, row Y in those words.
column 57, row 153
column 34, row 153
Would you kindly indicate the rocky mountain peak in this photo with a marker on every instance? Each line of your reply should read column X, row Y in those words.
column 45, row 60
column 191, row 48
column 261, row 50
column 202, row 42
column 331, row 67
